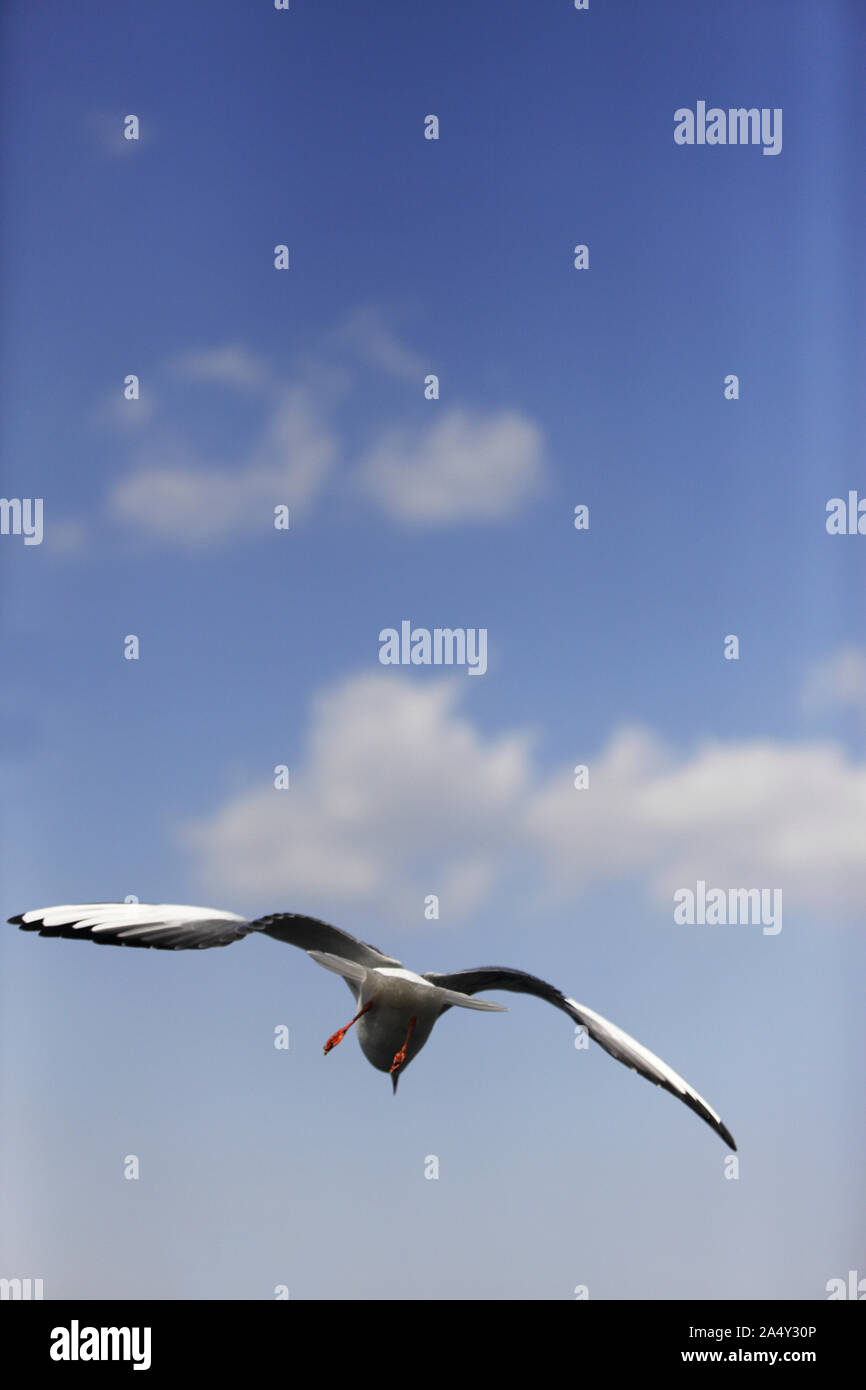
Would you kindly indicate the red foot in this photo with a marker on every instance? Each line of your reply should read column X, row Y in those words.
column 400, row 1057
column 341, row 1032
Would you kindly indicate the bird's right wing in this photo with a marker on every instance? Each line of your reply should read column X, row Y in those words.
column 171, row 927
column 312, row 935
column 165, row 926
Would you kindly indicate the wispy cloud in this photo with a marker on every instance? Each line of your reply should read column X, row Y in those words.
column 466, row 465
column 232, row 365
column 837, row 682
column 175, row 496
column 368, row 333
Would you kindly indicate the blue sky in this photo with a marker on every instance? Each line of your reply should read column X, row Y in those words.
column 259, row 647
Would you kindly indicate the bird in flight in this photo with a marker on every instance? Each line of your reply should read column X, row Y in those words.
column 396, row 1009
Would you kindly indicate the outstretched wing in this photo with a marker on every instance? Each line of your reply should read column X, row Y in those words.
column 166, row 926
column 312, row 935
column 624, row 1048
column 170, row 927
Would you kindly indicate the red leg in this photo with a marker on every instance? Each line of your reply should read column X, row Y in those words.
column 400, row 1057
column 341, row 1032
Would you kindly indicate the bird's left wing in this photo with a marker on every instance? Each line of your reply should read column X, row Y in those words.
column 619, row 1044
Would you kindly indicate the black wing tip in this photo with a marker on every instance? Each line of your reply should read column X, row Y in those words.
column 727, row 1136
column 716, row 1125
column 32, row 926
column 702, row 1110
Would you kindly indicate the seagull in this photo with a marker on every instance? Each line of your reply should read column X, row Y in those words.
column 395, row 1008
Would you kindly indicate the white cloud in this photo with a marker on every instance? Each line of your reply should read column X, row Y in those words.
column 182, row 499
column 400, row 795
column 839, row 682
column 745, row 814
column 465, row 466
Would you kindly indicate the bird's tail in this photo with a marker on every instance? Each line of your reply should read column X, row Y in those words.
column 465, row 1001
column 349, row 969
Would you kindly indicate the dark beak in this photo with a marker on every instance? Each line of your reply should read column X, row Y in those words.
column 395, row 1077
